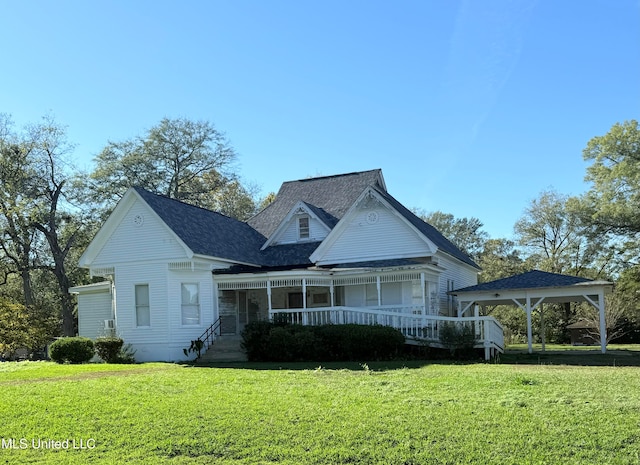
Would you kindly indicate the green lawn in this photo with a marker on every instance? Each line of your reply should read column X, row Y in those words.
column 386, row 413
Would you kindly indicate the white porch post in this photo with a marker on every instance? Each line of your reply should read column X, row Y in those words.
column 304, row 301
column 378, row 288
column 269, row 296
column 304, row 292
column 603, row 323
column 476, row 315
column 332, row 292
column 529, row 335
column 424, row 301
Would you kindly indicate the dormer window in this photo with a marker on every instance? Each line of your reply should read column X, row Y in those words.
column 303, row 227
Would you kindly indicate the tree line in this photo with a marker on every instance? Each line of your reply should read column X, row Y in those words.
column 50, row 210
column 594, row 235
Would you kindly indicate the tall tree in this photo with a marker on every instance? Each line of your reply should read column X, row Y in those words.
column 552, row 232
column 465, row 233
column 19, row 241
column 179, row 158
column 499, row 259
column 614, row 197
column 40, row 229
column 56, row 223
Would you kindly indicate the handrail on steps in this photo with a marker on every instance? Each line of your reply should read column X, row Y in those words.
column 209, row 334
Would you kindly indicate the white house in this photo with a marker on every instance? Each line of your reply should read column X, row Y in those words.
column 332, row 249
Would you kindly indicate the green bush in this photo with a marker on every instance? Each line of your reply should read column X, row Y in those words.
column 266, row 341
column 72, row 350
column 109, row 348
column 460, row 339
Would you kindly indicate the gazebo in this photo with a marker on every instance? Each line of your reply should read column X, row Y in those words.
column 529, row 290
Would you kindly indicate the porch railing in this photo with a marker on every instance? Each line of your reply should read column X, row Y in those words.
column 410, row 320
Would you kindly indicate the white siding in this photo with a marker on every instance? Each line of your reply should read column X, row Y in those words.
column 166, row 337
column 181, row 336
column 93, row 309
column 130, row 243
column 289, row 235
column 126, row 278
column 389, row 237
column 456, row 275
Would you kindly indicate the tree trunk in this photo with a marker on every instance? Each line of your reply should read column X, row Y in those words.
column 25, row 274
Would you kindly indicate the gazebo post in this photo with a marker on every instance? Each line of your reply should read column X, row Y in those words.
column 529, row 330
column 603, row 323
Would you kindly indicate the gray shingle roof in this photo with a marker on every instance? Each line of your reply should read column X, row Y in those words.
column 332, row 195
column 206, row 232
column 212, row 234
column 534, row 279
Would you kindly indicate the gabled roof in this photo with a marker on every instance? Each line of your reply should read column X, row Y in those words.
column 206, row 232
column 331, row 196
column 305, row 207
column 435, row 236
column 534, row 279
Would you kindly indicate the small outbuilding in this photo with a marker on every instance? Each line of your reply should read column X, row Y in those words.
column 582, row 333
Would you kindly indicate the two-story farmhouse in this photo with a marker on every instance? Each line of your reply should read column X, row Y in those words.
column 331, row 249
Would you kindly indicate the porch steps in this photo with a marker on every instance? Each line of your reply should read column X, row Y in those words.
column 224, row 349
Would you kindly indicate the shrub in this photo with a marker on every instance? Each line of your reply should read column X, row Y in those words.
column 72, row 350
column 127, row 354
column 267, row 341
column 255, row 340
column 109, row 348
column 460, row 339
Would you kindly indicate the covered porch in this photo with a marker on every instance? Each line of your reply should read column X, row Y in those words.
column 324, row 296
column 406, row 298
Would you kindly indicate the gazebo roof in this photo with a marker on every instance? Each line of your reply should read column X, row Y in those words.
column 534, row 279
column 552, row 287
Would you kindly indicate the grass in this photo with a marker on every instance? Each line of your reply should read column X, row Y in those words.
column 376, row 413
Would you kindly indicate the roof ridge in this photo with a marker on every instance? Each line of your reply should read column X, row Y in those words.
column 315, row 178
column 166, row 197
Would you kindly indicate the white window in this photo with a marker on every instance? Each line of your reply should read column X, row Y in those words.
column 190, row 303
column 303, row 227
column 143, row 314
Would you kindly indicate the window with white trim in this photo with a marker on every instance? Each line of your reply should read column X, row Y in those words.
column 190, row 299
column 143, row 310
column 303, row 227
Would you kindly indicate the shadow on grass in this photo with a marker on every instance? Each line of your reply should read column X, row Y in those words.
column 621, row 358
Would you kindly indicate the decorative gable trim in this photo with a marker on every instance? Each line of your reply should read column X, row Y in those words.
column 369, row 199
column 299, row 209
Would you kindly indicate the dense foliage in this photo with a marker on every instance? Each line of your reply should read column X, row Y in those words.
column 72, row 350
column 459, row 339
column 109, row 348
column 266, row 341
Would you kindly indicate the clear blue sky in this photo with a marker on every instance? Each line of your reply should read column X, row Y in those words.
column 470, row 107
